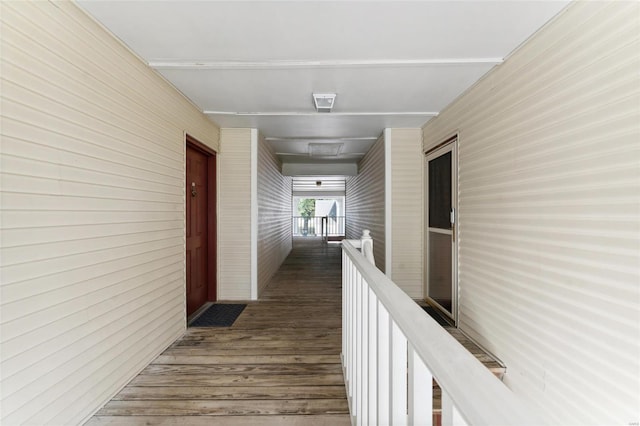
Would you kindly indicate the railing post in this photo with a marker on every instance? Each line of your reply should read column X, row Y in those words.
column 366, row 246
column 324, row 223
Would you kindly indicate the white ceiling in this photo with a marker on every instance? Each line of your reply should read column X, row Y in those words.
column 257, row 63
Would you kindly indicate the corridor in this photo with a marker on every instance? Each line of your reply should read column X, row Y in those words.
column 279, row 364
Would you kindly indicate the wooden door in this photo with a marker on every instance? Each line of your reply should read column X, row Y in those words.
column 197, row 229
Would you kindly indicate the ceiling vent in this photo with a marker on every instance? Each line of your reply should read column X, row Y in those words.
column 324, row 101
column 325, row 149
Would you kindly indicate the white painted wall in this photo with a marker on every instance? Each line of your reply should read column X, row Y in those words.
column 365, row 200
column 235, row 220
column 549, row 201
column 92, row 220
column 274, row 214
column 406, row 204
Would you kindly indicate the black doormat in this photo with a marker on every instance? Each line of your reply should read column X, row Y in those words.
column 433, row 313
column 219, row 315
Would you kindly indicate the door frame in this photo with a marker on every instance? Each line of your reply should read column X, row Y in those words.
column 212, row 207
column 448, row 145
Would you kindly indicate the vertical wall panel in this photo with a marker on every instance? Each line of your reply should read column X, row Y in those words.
column 549, row 201
column 365, row 200
column 92, row 219
column 234, row 247
column 407, row 203
column 274, row 214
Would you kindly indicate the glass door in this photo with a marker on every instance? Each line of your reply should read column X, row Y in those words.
column 441, row 238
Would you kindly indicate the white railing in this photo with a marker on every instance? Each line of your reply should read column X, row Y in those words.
column 324, row 226
column 392, row 352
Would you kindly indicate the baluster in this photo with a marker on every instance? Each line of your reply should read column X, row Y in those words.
column 345, row 312
column 354, row 338
column 364, row 359
column 420, row 387
column 384, row 348
column 398, row 376
column 450, row 414
column 358, row 359
column 351, row 307
column 373, row 361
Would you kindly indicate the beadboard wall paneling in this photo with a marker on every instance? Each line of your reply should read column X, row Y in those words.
column 92, row 220
column 365, row 199
column 549, row 201
column 274, row 214
column 234, row 244
column 407, row 203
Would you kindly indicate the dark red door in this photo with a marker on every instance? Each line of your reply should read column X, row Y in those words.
column 197, row 229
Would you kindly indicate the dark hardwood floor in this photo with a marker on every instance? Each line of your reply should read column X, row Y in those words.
column 279, row 364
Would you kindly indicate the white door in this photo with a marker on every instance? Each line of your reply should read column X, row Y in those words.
column 440, row 279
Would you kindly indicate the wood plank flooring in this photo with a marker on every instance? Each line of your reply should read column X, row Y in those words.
column 279, row 364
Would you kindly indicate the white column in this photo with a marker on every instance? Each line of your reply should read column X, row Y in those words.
column 388, row 228
column 254, row 214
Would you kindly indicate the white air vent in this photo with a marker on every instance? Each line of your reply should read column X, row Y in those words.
column 324, row 101
column 325, row 149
